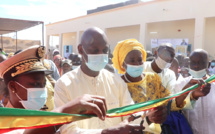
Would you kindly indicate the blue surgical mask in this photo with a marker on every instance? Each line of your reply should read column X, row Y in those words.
column 36, row 98
column 96, row 62
column 197, row 74
column 212, row 64
column 134, row 70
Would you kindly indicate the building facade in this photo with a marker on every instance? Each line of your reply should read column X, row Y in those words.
column 159, row 19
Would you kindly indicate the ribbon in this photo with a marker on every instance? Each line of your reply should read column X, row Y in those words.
column 13, row 118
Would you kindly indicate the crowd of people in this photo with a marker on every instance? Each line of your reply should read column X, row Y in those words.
column 96, row 80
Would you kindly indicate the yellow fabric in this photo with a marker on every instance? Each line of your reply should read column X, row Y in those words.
column 150, row 88
column 10, row 55
column 122, row 49
column 139, row 109
column 50, row 98
column 155, row 127
column 29, row 121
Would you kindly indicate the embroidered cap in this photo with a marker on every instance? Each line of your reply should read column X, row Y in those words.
column 24, row 62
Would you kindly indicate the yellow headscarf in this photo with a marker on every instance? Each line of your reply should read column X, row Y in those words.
column 122, row 49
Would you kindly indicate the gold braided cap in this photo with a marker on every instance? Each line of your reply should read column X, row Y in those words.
column 27, row 60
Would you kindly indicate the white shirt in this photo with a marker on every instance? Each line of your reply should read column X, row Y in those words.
column 76, row 83
column 67, row 55
column 211, row 70
column 181, row 82
column 168, row 80
column 201, row 118
column 167, row 76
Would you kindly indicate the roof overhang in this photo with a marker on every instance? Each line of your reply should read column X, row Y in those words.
column 13, row 25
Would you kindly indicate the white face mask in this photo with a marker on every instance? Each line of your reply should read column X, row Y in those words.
column 186, row 75
column 74, row 67
column 96, row 62
column 36, row 98
column 162, row 63
column 197, row 74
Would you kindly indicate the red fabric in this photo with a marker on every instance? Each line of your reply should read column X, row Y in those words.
column 41, row 126
column 57, row 56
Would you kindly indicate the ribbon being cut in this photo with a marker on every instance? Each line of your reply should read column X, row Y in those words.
column 12, row 118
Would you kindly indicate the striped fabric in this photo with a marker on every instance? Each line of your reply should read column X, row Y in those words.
column 13, row 118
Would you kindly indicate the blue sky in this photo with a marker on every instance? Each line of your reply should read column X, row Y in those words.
column 48, row 11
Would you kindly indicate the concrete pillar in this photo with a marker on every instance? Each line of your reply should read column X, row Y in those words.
column 47, row 45
column 199, row 34
column 61, row 44
column 142, row 36
column 77, row 42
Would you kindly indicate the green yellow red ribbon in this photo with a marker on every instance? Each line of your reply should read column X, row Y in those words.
column 13, row 118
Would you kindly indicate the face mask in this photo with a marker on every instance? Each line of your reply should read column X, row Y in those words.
column 197, row 74
column 96, row 62
column 186, row 75
column 36, row 98
column 134, row 70
column 162, row 63
column 212, row 64
column 74, row 67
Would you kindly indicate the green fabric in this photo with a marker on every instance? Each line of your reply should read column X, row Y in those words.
column 3, row 53
column 143, row 104
column 25, row 112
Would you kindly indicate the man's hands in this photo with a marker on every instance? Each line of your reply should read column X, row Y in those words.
column 86, row 104
column 157, row 115
column 202, row 90
column 125, row 128
column 92, row 104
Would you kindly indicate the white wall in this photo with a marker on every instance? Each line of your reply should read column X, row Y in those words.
column 169, row 30
column 209, row 44
column 121, row 33
column 69, row 39
column 188, row 15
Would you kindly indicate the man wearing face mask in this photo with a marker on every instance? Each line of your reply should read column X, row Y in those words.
column 91, row 77
column 211, row 69
column 25, row 91
column 165, row 56
column 201, row 118
column 161, row 64
column 24, row 75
